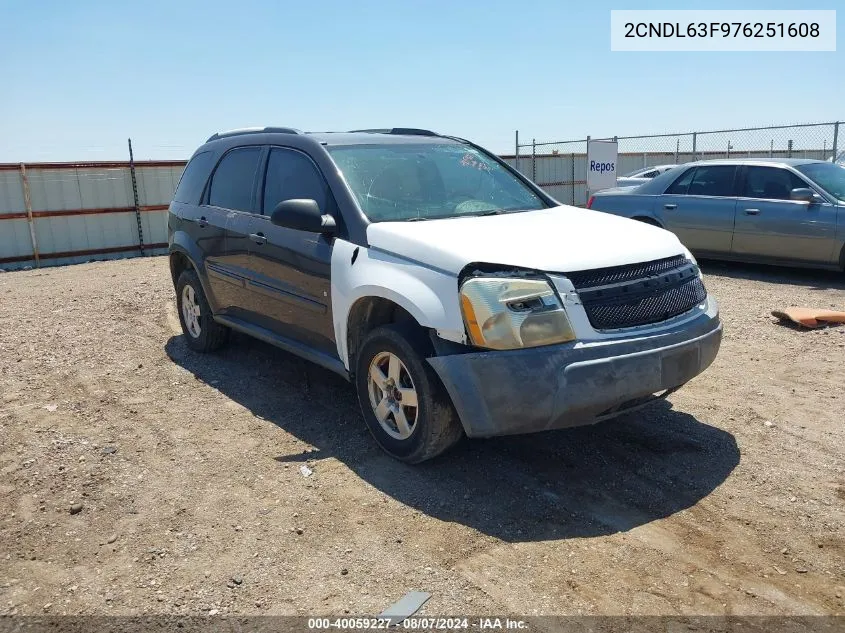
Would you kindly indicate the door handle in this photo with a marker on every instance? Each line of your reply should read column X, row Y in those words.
column 258, row 238
column 202, row 222
column 752, row 212
column 670, row 206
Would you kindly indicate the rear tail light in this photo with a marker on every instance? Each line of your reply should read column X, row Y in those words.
column 590, row 202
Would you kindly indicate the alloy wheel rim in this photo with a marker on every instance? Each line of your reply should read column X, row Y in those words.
column 191, row 311
column 393, row 395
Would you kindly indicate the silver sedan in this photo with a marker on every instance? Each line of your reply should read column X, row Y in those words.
column 777, row 211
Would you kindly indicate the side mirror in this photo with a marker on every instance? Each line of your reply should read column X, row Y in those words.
column 802, row 194
column 303, row 215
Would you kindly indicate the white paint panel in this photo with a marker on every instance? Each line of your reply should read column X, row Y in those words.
column 559, row 239
column 430, row 296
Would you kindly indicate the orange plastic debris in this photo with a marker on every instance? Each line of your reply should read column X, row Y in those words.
column 810, row 317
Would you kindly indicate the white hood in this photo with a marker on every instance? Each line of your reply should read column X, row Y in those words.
column 561, row 239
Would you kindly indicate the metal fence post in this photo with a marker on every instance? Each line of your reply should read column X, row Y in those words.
column 789, row 148
column 586, row 172
column 516, row 151
column 835, row 139
column 694, row 139
column 572, row 179
column 135, row 195
column 27, row 201
column 533, row 160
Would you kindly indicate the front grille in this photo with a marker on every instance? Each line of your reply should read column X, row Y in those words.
column 616, row 274
column 662, row 289
column 662, row 305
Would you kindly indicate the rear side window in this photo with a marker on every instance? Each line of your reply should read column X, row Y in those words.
column 680, row 186
column 716, row 180
column 193, row 178
column 291, row 175
column 771, row 183
column 708, row 180
column 233, row 181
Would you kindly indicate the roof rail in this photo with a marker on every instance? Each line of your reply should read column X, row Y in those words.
column 253, row 130
column 407, row 131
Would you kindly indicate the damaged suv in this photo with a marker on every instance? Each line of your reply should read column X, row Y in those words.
column 456, row 295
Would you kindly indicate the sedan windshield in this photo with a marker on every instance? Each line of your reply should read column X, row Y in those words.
column 828, row 176
column 395, row 182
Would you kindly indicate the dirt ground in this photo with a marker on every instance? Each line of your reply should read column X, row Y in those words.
column 727, row 499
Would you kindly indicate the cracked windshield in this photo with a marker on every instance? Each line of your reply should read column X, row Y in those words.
column 421, row 181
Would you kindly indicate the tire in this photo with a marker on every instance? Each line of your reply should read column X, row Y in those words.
column 433, row 423
column 203, row 334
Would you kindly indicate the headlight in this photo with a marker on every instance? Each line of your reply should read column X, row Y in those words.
column 502, row 313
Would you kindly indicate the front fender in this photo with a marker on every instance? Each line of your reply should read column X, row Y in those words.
column 427, row 294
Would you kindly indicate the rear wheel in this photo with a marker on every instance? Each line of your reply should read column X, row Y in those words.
column 202, row 332
column 405, row 406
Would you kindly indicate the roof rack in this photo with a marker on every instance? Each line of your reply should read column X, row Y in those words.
column 405, row 131
column 253, row 130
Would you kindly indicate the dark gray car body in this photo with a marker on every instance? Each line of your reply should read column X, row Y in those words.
column 736, row 225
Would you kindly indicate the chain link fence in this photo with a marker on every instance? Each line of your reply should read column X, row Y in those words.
column 561, row 167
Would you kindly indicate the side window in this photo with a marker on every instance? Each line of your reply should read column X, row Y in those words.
column 771, row 183
column 681, row 184
column 193, row 178
column 649, row 174
column 713, row 180
column 234, row 179
column 290, row 175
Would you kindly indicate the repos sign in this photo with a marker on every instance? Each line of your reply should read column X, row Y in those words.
column 601, row 165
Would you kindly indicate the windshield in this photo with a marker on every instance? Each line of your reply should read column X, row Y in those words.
column 828, row 176
column 426, row 181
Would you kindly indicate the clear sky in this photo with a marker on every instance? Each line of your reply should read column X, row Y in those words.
column 80, row 77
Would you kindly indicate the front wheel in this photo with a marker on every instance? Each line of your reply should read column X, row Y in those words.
column 405, row 406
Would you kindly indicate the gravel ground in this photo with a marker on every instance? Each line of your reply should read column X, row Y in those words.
column 137, row 477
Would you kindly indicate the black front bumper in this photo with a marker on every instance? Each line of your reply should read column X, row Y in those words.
column 523, row 391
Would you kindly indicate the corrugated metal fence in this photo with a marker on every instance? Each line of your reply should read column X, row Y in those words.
column 65, row 213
